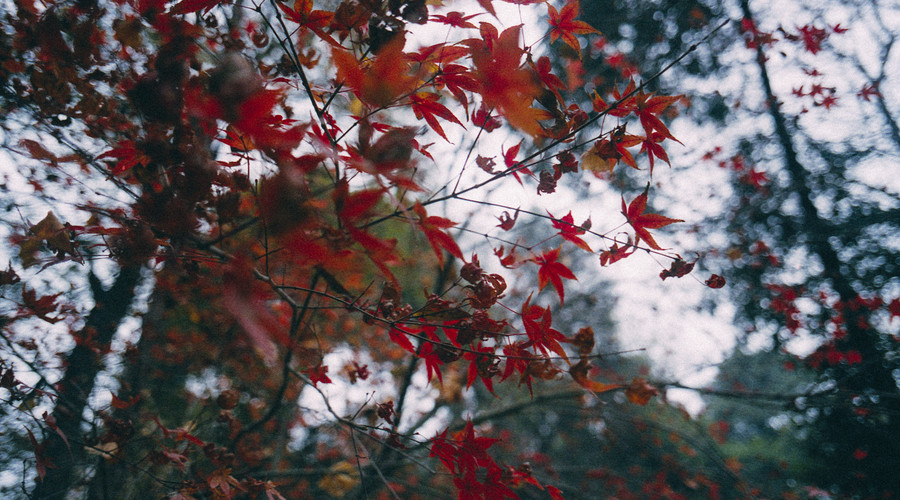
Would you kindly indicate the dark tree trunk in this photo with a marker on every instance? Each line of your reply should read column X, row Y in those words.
column 83, row 364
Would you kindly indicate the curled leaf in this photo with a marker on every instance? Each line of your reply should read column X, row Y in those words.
column 579, row 373
column 639, row 391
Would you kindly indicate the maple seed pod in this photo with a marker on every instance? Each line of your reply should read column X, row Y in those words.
column 487, row 366
column 466, row 334
column 228, row 399
column 447, row 353
column 471, row 272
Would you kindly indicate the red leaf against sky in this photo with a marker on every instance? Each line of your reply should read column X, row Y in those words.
column 506, row 221
column 509, row 158
column 455, row 19
column 715, row 281
column 553, row 271
column 128, row 157
column 433, row 227
column 569, row 231
column 457, row 79
column 565, row 26
column 678, row 269
column 318, row 373
column 894, row 308
column 616, row 253
column 313, row 20
column 651, row 146
column 641, row 221
column 538, row 321
column 425, row 105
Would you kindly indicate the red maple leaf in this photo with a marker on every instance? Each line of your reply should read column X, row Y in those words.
column 651, row 146
column 472, row 450
column 512, row 166
column 565, row 26
column 569, row 231
column 641, row 221
column 538, row 326
column 455, row 19
column 616, row 253
column 553, row 271
column 432, row 226
column 425, row 105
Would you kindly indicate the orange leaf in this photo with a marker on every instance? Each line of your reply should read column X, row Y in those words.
column 505, row 85
column 639, row 391
column 384, row 81
column 579, row 373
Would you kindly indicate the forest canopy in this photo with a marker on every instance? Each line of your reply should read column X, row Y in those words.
column 357, row 249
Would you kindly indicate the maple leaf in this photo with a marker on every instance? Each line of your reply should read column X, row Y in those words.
column 128, row 155
column 244, row 302
column 603, row 156
column 384, row 81
column 512, row 166
column 318, row 373
column 653, row 149
column 313, row 20
column 472, row 450
column 222, row 481
column 569, row 231
column 678, row 269
column 482, row 118
column 433, row 227
column 641, row 221
column 812, row 37
column 42, row 460
column 455, row 19
column 538, row 326
column 189, row 6
column 579, row 373
column 425, row 105
column 894, row 308
column 457, row 79
column 41, row 307
column 483, row 365
column 639, row 391
column 505, row 85
column 868, row 91
column 565, row 26
column 715, row 281
column 553, row 271
column 616, row 253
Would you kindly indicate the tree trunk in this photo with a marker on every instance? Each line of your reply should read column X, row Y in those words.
column 83, row 364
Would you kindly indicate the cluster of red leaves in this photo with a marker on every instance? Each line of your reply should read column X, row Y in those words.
column 475, row 474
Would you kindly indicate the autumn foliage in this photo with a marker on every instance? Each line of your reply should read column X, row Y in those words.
column 270, row 169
